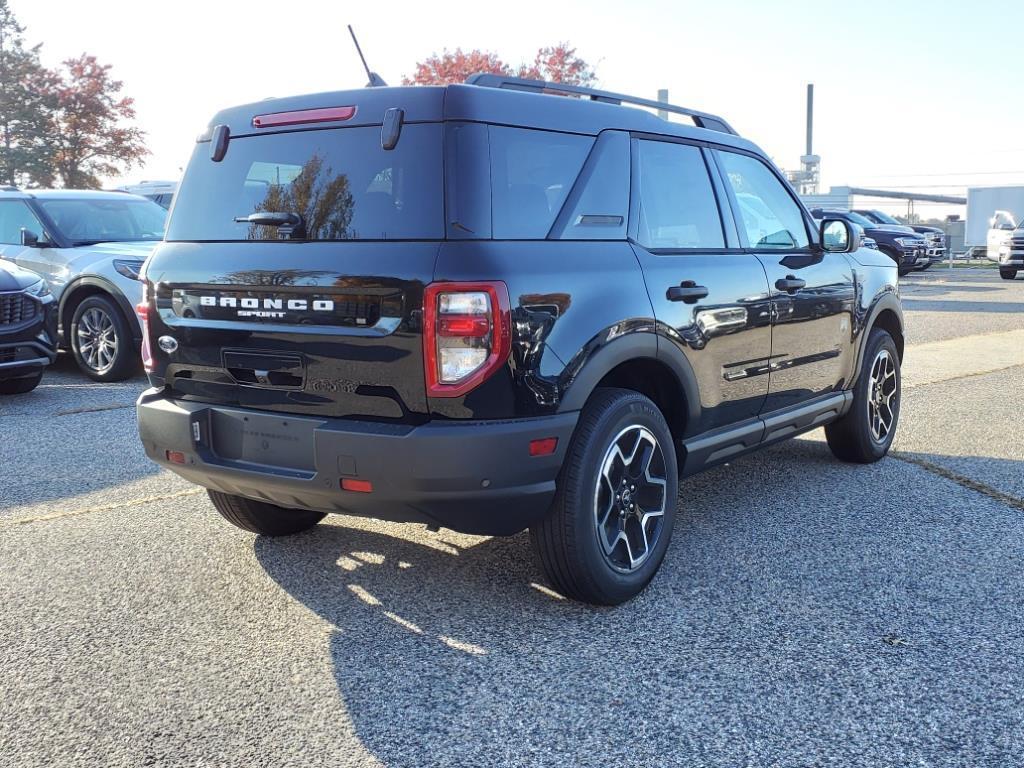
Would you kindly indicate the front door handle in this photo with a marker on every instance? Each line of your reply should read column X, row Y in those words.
column 790, row 284
column 687, row 291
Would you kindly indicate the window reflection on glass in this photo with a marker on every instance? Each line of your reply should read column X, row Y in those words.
column 836, row 237
column 312, row 190
column 340, row 181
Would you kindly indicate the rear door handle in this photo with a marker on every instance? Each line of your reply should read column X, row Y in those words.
column 790, row 284
column 687, row 291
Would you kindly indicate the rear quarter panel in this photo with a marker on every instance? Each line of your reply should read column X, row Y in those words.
column 570, row 299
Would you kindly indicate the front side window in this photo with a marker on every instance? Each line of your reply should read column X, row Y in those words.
column 85, row 221
column 677, row 201
column 14, row 216
column 768, row 214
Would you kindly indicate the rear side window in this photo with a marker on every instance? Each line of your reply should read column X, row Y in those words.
column 340, row 181
column 677, row 202
column 768, row 214
column 532, row 173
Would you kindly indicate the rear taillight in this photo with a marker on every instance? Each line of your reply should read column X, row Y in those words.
column 467, row 335
column 142, row 310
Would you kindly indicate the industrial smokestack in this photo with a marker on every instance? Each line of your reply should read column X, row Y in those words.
column 810, row 118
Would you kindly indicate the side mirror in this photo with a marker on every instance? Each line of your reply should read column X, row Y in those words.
column 29, row 239
column 840, row 236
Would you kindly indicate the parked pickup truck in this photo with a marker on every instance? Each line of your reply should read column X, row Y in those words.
column 900, row 243
column 935, row 237
column 1010, row 255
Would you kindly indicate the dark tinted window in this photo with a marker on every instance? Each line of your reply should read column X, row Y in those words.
column 768, row 213
column 677, row 202
column 531, row 175
column 15, row 215
column 340, row 181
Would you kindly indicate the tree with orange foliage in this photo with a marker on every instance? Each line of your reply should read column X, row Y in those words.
column 558, row 63
column 89, row 135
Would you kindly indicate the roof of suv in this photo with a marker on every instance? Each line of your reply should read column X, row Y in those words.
column 475, row 103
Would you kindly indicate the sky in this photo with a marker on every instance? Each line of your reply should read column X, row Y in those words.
column 911, row 94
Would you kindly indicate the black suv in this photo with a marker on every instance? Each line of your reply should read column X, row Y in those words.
column 905, row 247
column 935, row 238
column 28, row 329
column 488, row 307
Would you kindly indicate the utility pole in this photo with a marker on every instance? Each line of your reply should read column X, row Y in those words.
column 663, row 98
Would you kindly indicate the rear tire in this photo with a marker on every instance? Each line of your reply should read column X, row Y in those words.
column 20, row 386
column 261, row 517
column 610, row 523
column 1007, row 273
column 865, row 433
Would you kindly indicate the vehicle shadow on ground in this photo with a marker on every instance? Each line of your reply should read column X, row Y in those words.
column 785, row 614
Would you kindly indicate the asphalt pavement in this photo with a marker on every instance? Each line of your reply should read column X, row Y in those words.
column 808, row 612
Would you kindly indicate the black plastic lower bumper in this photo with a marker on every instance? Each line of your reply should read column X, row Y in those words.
column 475, row 477
column 27, row 349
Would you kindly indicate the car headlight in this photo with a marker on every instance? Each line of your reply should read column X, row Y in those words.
column 907, row 242
column 40, row 289
column 129, row 269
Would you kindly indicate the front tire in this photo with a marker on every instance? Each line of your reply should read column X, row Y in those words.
column 261, row 517
column 20, row 386
column 1007, row 273
column 101, row 340
column 610, row 523
column 865, row 433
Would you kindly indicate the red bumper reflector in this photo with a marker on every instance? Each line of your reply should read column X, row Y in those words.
column 176, row 457
column 147, row 354
column 325, row 115
column 543, row 447
column 359, row 486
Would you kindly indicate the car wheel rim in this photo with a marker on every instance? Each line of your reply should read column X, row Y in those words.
column 629, row 503
column 97, row 340
column 883, row 396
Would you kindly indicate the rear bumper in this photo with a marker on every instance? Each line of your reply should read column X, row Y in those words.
column 474, row 477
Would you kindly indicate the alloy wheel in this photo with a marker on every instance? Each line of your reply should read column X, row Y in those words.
column 97, row 339
column 630, row 498
column 883, row 396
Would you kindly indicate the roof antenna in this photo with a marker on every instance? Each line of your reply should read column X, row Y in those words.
column 376, row 81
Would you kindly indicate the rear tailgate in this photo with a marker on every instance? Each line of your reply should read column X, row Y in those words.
column 315, row 307
column 336, row 334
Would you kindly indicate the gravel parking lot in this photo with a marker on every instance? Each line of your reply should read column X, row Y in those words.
column 808, row 613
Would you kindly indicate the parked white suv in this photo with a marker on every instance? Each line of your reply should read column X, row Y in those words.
column 89, row 246
column 160, row 192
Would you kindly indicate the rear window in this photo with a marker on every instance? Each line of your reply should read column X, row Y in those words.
column 340, row 181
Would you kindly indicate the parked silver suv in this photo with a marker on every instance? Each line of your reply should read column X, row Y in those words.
column 89, row 246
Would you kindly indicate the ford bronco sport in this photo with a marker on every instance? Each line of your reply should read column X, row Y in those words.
column 501, row 305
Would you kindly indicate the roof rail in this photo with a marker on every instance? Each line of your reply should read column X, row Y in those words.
column 700, row 119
